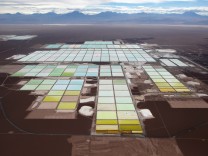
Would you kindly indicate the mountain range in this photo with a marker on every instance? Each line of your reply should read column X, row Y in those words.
column 76, row 17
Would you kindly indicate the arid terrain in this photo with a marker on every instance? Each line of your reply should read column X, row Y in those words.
column 181, row 132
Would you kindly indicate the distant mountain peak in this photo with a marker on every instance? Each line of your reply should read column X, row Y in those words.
column 18, row 13
column 190, row 13
column 76, row 13
column 77, row 17
column 108, row 12
column 51, row 13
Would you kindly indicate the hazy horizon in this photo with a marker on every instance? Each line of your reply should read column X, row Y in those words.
column 97, row 6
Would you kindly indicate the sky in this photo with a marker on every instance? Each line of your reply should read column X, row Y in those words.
column 97, row 6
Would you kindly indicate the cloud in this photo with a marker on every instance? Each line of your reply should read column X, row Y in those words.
column 94, row 6
column 142, row 9
column 147, row 1
column 80, row 3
